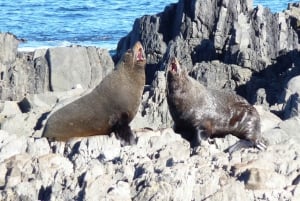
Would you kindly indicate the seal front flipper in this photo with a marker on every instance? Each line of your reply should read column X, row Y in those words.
column 123, row 131
column 125, row 135
column 200, row 136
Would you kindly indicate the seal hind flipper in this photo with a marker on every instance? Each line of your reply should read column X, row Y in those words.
column 239, row 145
column 246, row 144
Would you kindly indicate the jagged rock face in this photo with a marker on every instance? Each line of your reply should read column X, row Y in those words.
column 232, row 32
column 54, row 69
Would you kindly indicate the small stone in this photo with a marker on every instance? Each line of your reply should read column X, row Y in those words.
column 38, row 147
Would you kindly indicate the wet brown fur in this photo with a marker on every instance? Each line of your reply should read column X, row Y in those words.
column 200, row 113
column 109, row 107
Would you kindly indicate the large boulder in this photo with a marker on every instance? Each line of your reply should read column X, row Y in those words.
column 291, row 98
column 257, row 50
column 53, row 69
column 70, row 66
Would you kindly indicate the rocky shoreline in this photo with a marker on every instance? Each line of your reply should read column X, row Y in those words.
column 224, row 44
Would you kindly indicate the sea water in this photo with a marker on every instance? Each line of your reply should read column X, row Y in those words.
column 101, row 23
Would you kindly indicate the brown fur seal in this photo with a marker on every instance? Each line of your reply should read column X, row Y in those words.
column 200, row 113
column 109, row 107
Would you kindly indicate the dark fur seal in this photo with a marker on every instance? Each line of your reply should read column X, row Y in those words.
column 200, row 113
column 109, row 107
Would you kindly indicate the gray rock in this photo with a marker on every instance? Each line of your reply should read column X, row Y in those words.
column 53, row 168
column 153, row 111
column 159, row 167
column 268, row 119
column 290, row 126
column 25, row 124
column 218, row 75
column 70, row 66
column 11, row 145
column 38, row 147
column 261, row 45
column 8, row 51
column 10, row 108
column 291, row 97
column 43, row 70
column 227, row 45
column 119, row 191
column 275, row 136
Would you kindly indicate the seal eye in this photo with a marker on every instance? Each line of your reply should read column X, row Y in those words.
column 130, row 51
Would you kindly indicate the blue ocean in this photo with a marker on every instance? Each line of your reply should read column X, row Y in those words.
column 101, row 23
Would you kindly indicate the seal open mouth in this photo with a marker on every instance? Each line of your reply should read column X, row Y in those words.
column 139, row 52
column 140, row 55
column 174, row 66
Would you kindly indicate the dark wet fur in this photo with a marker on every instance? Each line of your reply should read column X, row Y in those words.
column 200, row 113
column 123, row 131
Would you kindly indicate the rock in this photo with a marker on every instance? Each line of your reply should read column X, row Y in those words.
column 104, row 148
column 261, row 179
column 296, row 193
column 268, row 119
column 93, row 178
column 38, row 147
column 14, row 166
column 10, row 108
column 11, row 145
column 57, row 69
column 153, row 110
column 275, row 136
column 75, row 65
column 289, row 126
column 227, row 45
column 119, row 191
column 258, row 44
column 217, row 75
column 53, row 168
column 206, row 26
column 9, row 45
column 291, row 97
column 239, row 193
column 160, row 166
column 25, row 124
